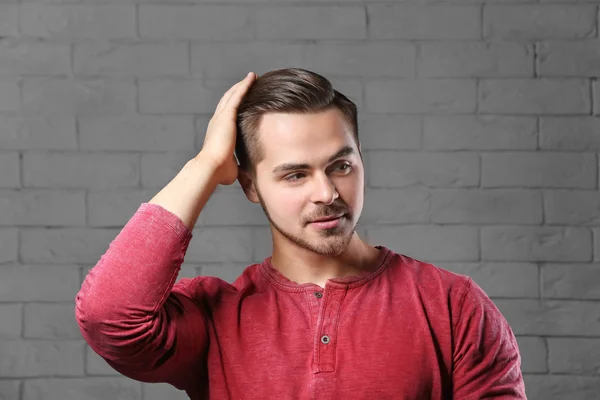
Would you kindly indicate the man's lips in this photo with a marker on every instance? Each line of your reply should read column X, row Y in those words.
column 330, row 218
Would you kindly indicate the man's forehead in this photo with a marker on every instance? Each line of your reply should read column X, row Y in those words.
column 302, row 138
column 293, row 127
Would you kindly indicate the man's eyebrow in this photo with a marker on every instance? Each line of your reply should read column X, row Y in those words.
column 345, row 151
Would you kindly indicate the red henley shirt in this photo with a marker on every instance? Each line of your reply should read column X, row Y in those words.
column 405, row 330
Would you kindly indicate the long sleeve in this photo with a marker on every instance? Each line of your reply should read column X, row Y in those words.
column 487, row 363
column 131, row 313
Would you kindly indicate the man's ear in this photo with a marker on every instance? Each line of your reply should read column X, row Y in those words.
column 247, row 183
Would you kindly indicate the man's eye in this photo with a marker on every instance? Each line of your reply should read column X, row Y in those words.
column 344, row 165
column 289, row 177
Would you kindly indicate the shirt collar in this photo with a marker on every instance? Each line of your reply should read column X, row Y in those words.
column 350, row 281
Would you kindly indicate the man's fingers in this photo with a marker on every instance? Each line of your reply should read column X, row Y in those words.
column 236, row 96
column 244, row 83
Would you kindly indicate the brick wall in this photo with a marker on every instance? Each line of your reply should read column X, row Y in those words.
column 478, row 122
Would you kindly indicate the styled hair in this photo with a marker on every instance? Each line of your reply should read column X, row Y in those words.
column 289, row 90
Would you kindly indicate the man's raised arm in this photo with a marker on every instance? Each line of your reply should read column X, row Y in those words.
column 129, row 309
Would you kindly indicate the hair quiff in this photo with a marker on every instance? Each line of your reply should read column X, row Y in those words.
column 289, row 90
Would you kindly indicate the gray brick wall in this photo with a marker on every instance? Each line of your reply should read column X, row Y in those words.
column 479, row 122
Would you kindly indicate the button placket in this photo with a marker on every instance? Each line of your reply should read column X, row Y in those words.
column 326, row 344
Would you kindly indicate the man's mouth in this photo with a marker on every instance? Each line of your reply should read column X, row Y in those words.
column 330, row 218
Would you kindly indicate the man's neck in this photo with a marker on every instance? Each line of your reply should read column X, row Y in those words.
column 304, row 266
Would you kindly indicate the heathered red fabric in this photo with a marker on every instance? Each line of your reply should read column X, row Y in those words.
column 405, row 330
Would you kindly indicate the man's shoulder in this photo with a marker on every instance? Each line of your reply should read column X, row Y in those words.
column 428, row 276
column 437, row 284
column 426, row 270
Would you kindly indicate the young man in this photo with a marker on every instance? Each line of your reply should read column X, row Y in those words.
column 327, row 316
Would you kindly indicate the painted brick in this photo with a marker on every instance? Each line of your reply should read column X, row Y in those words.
column 570, row 58
column 534, row 353
column 571, row 207
column 96, row 388
column 65, row 245
column 31, row 207
column 572, row 387
column 574, row 356
column 445, row 96
column 37, row 133
column 210, row 22
column 158, row 169
column 201, row 22
column 220, row 245
column 425, row 22
column 51, row 320
column 329, row 58
column 396, row 206
column 20, row 57
column 539, row 170
column 9, row 170
column 542, row 243
column 325, row 22
column 177, row 96
column 80, row 170
column 10, row 389
column 78, row 21
column 263, row 243
column 9, row 245
column 570, row 133
column 519, row 207
column 38, row 283
column 10, row 95
column 40, row 358
column 530, row 22
column 12, row 321
column 485, row 132
column 534, row 96
column 389, row 132
column 389, row 169
column 145, row 59
column 9, row 19
column 230, row 207
column 137, row 133
column 113, row 208
column 596, row 94
column 67, row 97
column 571, row 281
column 475, row 59
column 96, row 365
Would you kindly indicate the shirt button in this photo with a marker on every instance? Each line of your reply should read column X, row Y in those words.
column 318, row 295
column 325, row 339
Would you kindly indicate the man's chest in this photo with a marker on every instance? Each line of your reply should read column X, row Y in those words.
column 330, row 345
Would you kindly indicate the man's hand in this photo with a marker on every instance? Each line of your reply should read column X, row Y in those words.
column 219, row 143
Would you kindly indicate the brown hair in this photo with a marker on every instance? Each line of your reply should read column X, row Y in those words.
column 289, row 90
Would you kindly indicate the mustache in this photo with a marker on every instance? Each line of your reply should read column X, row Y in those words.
column 331, row 212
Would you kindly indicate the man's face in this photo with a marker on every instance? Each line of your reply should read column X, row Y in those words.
column 292, row 195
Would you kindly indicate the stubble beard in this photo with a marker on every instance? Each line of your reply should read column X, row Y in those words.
column 334, row 242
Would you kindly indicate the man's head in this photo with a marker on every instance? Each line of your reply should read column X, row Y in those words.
column 300, row 158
